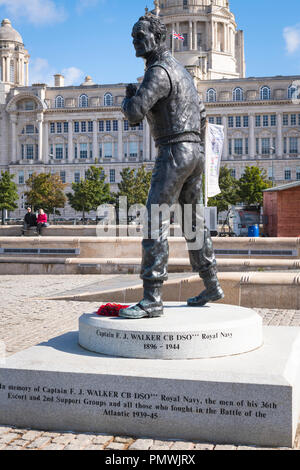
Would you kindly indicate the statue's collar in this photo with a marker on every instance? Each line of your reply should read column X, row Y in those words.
column 156, row 56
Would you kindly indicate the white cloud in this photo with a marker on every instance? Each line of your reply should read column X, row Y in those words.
column 73, row 76
column 291, row 35
column 37, row 12
column 83, row 4
column 42, row 72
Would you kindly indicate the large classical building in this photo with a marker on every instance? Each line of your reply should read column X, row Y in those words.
column 65, row 129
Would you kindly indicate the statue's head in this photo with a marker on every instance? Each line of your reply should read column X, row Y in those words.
column 149, row 34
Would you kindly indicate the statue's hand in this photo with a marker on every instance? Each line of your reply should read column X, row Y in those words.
column 131, row 90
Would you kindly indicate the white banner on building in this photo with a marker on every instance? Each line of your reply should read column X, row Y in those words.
column 213, row 148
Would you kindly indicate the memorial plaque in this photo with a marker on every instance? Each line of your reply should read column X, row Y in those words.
column 183, row 333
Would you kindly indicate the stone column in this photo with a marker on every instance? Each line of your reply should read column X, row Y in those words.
column 40, row 119
column 95, row 139
column 46, row 142
column 27, row 74
column 190, row 35
column 251, row 137
column 177, row 41
column 13, row 120
column 225, row 148
column 70, row 142
column 120, row 140
column 195, row 35
column 153, row 150
column 279, row 143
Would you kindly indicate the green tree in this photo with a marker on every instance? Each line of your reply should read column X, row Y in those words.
column 228, row 196
column 8, row 194
column 91, row 192
column 251, row 186
column 135, row 185
column 46, row 191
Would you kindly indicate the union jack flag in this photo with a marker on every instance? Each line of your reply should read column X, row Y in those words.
column 178, row 36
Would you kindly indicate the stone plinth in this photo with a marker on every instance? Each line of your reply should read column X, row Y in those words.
column 248, row 399
column 182, row 333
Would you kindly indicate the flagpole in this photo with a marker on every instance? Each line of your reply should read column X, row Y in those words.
column 172, row 42
column 206, row 166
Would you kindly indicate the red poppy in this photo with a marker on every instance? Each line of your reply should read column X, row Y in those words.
column 110, row 310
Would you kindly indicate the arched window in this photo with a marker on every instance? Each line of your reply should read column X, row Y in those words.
column 83, row 101
column 265, row 93
column 108, row 99
column 59, row 102
column 293, row 92
column 211, row 96
column 238, row 94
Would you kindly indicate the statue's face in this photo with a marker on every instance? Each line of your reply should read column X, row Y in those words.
column 143, row 39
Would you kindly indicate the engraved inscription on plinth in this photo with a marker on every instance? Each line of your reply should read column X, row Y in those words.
column 183, row 333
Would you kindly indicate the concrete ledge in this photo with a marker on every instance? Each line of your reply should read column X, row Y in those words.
column 254, row 290
column 130, row 247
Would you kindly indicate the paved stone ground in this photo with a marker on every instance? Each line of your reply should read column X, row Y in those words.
column 26, row 322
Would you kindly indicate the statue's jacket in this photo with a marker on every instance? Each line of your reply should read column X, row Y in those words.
column 169, row 100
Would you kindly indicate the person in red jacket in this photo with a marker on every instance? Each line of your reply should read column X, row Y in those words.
column 41, row 221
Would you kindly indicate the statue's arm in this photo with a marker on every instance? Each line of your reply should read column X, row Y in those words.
column 156, row 86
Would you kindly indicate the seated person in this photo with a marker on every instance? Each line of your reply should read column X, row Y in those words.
column 29, row 220
column 41, row 221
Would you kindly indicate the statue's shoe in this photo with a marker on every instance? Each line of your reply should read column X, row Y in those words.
column 137, row 311
column 205, row 297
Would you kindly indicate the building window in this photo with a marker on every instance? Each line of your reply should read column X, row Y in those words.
column 101, row 126
column 59, row 127
column 293, row 145
column 29, row 152
column 265, row 146
column 273, row 120
column 257, row 121
column 115, row 125
column 100, row 151
column 246, row 146
column 59, row 102
column 285, row 120
column 265, row 93
column 219, row 120
column 107, row 150
column 238, row 94
column 133, row 149
column 287, row 174
column 83, row 101
column 238, row 146
column 211, row 96
column 211, row 120
column 59, row 152
column 230, row 121
column 29, row 129
column 238, row 121
column 298, row 173
column 126, row 125
column 108, row 99
column 21, row 177
column 233, row 173
column 63, row 176
column 112, row 176
column 230, row 146
column 83, row 151
column 66, row 127
column 90, row 126
column 66, row 152
column 257, row 147
column 293, row 92
column 76, row 126
column 246, row 121
column 293, row 119
column 83, row 126
column 52, row 127
column 284, row 145
column 77, row 177
column 265, row 120
column 108, row 126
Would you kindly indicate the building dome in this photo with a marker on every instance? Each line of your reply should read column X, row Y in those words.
column 8, row 33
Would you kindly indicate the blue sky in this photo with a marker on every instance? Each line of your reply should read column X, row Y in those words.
column 92, row 37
